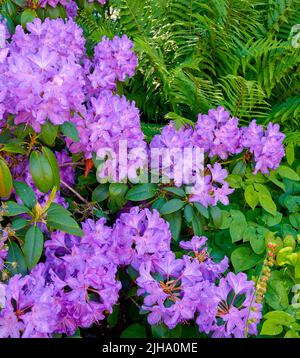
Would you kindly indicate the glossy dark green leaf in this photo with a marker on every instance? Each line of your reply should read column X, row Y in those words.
column 33, row 246
column 41, row 172
column 142, row 192
column 69, row 130
column 25, row 193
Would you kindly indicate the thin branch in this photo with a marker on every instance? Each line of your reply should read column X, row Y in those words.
column 74, row 192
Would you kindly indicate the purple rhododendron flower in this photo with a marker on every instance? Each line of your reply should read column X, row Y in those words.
column 43, row 75
column 267, row 147
column 140, row 236
column 218, row 134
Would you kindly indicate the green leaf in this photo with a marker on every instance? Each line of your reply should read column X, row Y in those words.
column 188, row 213
column 134, row 331
column 101, row 193
column 175, row 221
column 33, row 246
column 271, row 328
column 159, row 331
column 265, row 199
column 216, row 214
column 114, row 317
column 15, row 209
column 280, row 317
column 117, row 198
column 237, row 226
column 286, row 172
column 142, row 192
column 243, row 258
column 202, row 210
column 297, row 270
column 290, row 153
column 234, row 180
column 174, row 190
column 172, row 206
column 19, row 223
column 15, row 148
column 197, row 225
column 69, row 130
column 64, row 223
column 50, row 156
column 15, row 255
column 277, row 295
column 41, row 172
column 6, row 183
column 251, row 196
column 49, row 133
column 59, row 218
column 257, row 243
column 295, row 220
column 27, row 16
column 25, row 193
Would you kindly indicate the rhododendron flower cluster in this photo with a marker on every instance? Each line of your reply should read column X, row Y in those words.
column 77, row 284
column 140, row 236
column 179, row 290
column 266, row 146
column 74, row 287
column 43, row 76
column 110, row 120
column 213, row 189
column 218, row 134
column 113, row 61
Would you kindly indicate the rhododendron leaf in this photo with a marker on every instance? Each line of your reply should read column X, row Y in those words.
column 175, row 221
column 25, row 193
column 114, row 317
column 33, row 246
column 15, row 209
column 197, row 225
column 202, row 210
column 136, row 330
column 174, row 190
column 64, row 223
column 41, row 172
column 158, row 203
column 69, row 130
column 15, row 255
column 19, row 223
column 101, row 193
column 49, row 133
column 54, row 166
column 171, row 206
column 142, row 192
column 13, row 148
column 6, row 183
column 27, row 15
column 188, row 213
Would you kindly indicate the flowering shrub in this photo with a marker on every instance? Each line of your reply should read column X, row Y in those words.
column 85, row 250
